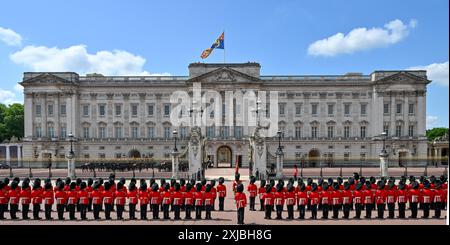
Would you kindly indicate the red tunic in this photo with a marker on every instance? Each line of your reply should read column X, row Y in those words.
column 278, row 198
column 336, row 197
column 380, row 196
column 133, row 196
column 25, row 196
column 36, row 196
column 83, row 197
column 252, row 190
column 208, row 198
column 72, row 197
column 368, row 197
column 3, row 196
column 108, row 196
column 439, row 196
column 325, row 197
column 235, row 184
column 222, row 189
column 391, row 196
column 358, row 196
column 314, row 197
column 188, row 198
column 61, row 197
column 166, row 197
column 214, row 192
column 155, row 197
column 177, row 198
column 143, row 197
column 198, row 198
column 261, row 192
column 121, row 197
column 267, row 199
column 47, row 195
column 346, row 196
column 427, row 196
column 402, row 196
column 241, row 200
column 97, row 197
column 14, row 196
column 89, row 191
column 290, row 198
column 414, row 196
column 302, row 198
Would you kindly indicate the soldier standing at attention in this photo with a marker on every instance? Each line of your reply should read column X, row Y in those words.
column 48, row 198
column 241, row 202
column 346, row 199
column 188, row 201
column 222, row 189
column 108, row 198
column 89, row 190
column 358, row 195
column 368, row 200
column 36, row 196
column 198, row 201
column 438, row 197
column 261, row 191
column 279, row 201
column 236, row 182
column 121, row 196
column 214, row 193
column 143, row 200
column 60, row 197
column 426, row 199
column 133, row 197
column 290, row 200
column 336, row 199
column 302, row 200
column 325, row 200
column 380, row 199
column 314, row 200
column 3, row 200
column 252, row 190
column 166, row 201
column 208, row 197
column 267, row 199
column 25, row 197
column 155, row 200
column 414, row 199
column 177, row 201
column 402, row 197
column 72, row 197
column 391, row 199
column 83, row 200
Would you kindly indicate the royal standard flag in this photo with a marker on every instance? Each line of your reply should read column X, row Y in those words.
column 219, row 43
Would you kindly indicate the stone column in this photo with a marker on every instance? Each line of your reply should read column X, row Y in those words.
column 19, row 155
column 8, row 155
column 175, row 160
column 44, row 112
column 28, row 107
column 71, row 166
column 280, row 156
column 421, row 115
column 384, row 161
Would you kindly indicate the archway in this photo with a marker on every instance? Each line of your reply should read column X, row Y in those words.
column 313, row 157
column 133, row 153
column 224, row 157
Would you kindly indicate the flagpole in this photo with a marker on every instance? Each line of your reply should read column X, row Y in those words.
column 224, row 46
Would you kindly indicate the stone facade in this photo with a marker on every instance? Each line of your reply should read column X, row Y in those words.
column 324, row 119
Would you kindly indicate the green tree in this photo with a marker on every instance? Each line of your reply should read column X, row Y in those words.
column 436, row 132
column 11, row 121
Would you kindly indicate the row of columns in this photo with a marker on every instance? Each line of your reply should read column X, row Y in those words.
column 8, row 153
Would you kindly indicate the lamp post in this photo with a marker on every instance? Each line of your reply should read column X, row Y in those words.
column 175, row 156
column 279, row 153
column 70, row 161
column 384, row 158
column 36, row 155
column 175, row 133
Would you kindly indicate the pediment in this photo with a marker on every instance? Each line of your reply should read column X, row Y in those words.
column 47, row 78
column 402, row 77
column 224, row 75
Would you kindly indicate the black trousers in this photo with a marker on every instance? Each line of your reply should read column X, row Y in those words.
column 336, row 211
column 71, row 208
column 13, row 210
column 187, row 209
column 268, row 210
column 155, row 211
column 25, row 209
column 120, row 209
column 198, row 212
column 108, row 209
column 97, row 208
column 413, row 206
column 252, row 203
column 166, row 211
column 380, row 209
column 261, row 206
column 143, row 211
column 89, row 207
column 358, row 209
column 3, row 208
column 279, row 211
column 48, row 211
column 176, row 211
column 426, row 210
column 346, row 209
column 313, row 208
column 221, row 203
column 391, row 209
column 60, row 210
column 132, row 212
column 325, row 209
column 208, row 209
column 83, row 209
column 437, row 210
column 369, row 207
column 301, row 211
column 290, row 210
column 401, row 210
column 240, row 216
column 36, row 209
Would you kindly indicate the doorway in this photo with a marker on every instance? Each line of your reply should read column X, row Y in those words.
column 224, row 157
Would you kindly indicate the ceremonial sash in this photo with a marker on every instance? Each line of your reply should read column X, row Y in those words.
column 426, row 199
column 437, row 199
column 177, row 201
column 325, row 200
column 414, row 198
column 401, row 199
column 267, row 201
column 47, row 201
column 278, row 201
column 71, row 200
column 390, row 199
column 346, row 200
column 26, row 200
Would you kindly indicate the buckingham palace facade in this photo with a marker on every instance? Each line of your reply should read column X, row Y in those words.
column 324, row 119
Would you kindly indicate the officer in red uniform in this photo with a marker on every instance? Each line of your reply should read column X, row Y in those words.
column 61, row 197
column 133, row 200
column 268, row 200
column 279, row 201
column 241, row 203
column 182, row 190
column 414, row 199
column 314, row 198
column 209, row 200
column 3, row 200
column 198, row 201
column 427, row 198
column 189, row 200
column 380, row 199
column 391, row 199
column 155, row 200
column 25, row 197
column 108, row 199
column 89, row 190
column 120, row 199
column 252, row 190
column 166, row 201
column 83, row 200
column 171, row 190
column 346, row 195
column 14, row 198
column 177, row 201
column 290, row 200
column 261, row 191
column 302, row 199
column 437, row 200
column 237, row 181
column 97, row 200
column 72, row 198
column 143, row 199
column 214, row 193
column 325, row 197
column 222, row 190
column 36, row 199
column 368, row 200
column 402, row 198
column 358, row 199
column 336, row 199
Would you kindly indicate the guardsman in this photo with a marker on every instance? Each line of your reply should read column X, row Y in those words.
column 198, row 201
column 61, row 198
column 171, row 190
column 391, row 199
column 314, row 198
column 214, row 193
column 83, row 200
column 358, row 199
column 162, row 183
column 89, row 190
column 155, row 200
column 241, row 202
column 414, row 199
column 252, row 191
column 380, row 199
column 72, row 197
column 222, row 189
column 14, row 198
column 177, row 201
column 236, row 182
column 77, row 189
column 166, row 197
column 319, row 190
column 133, row 200
column 121, row 196
column 427, row 198
column 368, row 200
column 209, row 200
column 97, row 200
column 302, row 200
column 67, row 184
column 325, row 200
column 48, row 198
column 25, row 198
column 261, row 191
column 6, row 189
column 279, row 201
column 143, row 199
column 402, row 198
column 267, row 199
column 189, row 200
column 182, row 190
column 437, row 199
column 3, row 200
column 290, row 200
column 36, row 199
column 309, row 182
column 444, row 187
column 346, row 199
column 108, row 198
column 336, row 199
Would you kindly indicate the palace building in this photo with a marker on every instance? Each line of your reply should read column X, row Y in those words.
column 324, row 119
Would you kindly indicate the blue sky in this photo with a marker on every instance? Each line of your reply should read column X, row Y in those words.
column 285, row 37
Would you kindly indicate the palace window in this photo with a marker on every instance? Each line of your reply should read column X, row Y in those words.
column 38, row 110
column 347, row 110
column 51, row 132
column 298, row 132
column 330, row 109
column 411, row 130
column 167, row 132
column 151, row 132
column 363, row 132
column 386, row 129
column 134, row 132
column 313, row 132
column 102, row 132
column 50, row 110
column 86, row 132
column 118, row 110
column 62, row 109
column 363, row 109
column 411, row 109
column 238, row 131
column 386, row 108
column 210, row 131
column 63, row 132
column 399, row 108
column 282, row 107
column 134, row 110
column 314, row 109
column 398, row 130
column 118, row 132
column 101, row 110
column 167, row 110
column 346, row 131
column 298, row 109
column 85, row 110
column 150, row 110
column 38, row 131
column 330, row 132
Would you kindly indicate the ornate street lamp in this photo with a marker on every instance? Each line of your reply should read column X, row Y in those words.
column 175, row 133
column 383, row 137
column 71, row 164
column 279, row 133
column 36, row 155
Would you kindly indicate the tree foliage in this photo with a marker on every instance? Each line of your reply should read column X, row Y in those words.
column 11, row 121
column 436, row 132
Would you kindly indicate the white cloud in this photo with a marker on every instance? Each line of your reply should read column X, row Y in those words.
column 10, row 37
column 432, row 121
column 362, row 38
column 437, row 72
column 77, row 59
column 18, row 88
column 8, row 97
